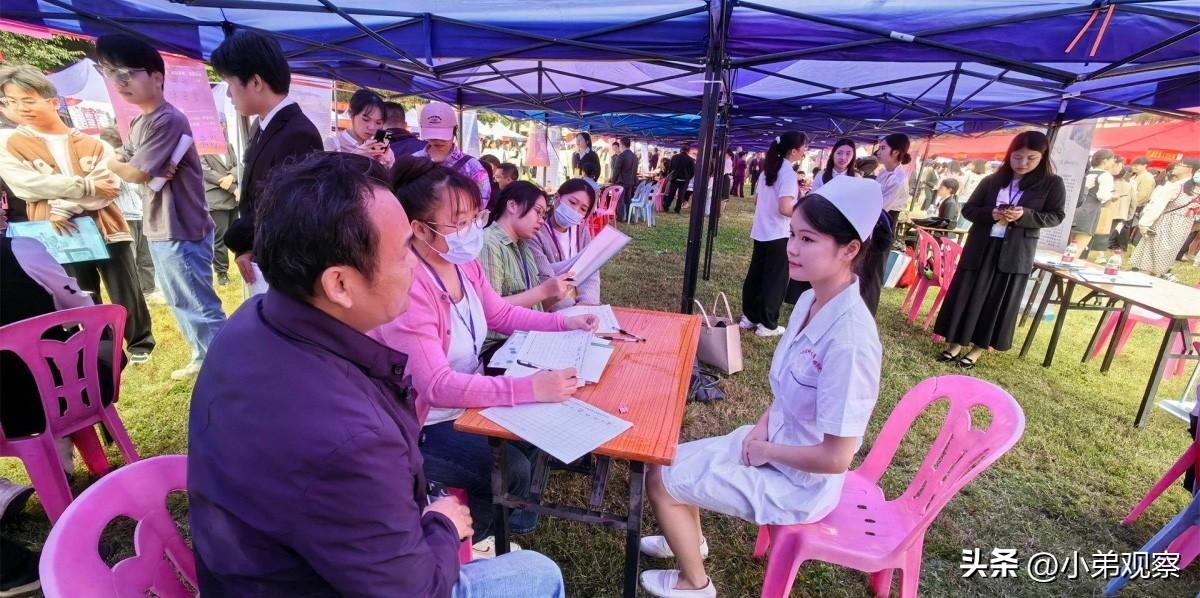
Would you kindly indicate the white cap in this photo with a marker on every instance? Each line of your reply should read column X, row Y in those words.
column 438, row 121
column 859, row 199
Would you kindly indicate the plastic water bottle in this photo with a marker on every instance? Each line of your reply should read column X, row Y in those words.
column 1113, row 266
column 1070, row 252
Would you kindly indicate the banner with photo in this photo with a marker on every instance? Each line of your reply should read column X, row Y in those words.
column 1072, row 148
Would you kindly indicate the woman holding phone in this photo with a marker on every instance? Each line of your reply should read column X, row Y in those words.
column 366, row 134
column 1007, row 211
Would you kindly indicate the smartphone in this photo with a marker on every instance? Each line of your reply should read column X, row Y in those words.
column 383, row 136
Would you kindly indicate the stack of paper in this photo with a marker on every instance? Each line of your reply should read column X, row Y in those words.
column 608, row 320
column 555, row 350
column 567, row 430
column 603, row 247
column 589, row 368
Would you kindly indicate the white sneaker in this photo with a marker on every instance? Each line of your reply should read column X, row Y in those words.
column 188, row 371
column 657, row 547
column 662, row 582
column 766, row 332
column 746, row 324
column 486, row 548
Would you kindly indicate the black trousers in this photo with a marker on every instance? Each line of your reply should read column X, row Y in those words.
column 766, row 282
column 141, row 253
column 676, row 192
column 222, row 218
column 119, row 273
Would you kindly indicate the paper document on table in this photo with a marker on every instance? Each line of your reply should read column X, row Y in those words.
column 556, row 350
column 603, row 247
column 1131, row 279
column 608, row 319
column 594, row 363
column 157, row 183
column 567, row 430
column 506, row 356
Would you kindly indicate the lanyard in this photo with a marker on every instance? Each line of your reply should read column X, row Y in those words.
column 471, row 314
column 1013, row 198
column 554, row 237
column 520, row 257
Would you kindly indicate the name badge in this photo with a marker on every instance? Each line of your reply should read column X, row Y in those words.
column 999, row 229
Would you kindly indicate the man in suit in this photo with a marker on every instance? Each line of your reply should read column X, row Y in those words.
column 221, row 193
column 683, row 168
column 624, row 173
column 259, row 79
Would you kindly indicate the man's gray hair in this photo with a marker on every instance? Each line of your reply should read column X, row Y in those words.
column 28, row 78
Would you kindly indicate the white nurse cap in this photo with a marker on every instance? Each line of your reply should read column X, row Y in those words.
column 860, row 200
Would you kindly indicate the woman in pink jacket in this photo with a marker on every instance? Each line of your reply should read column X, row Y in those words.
column 452, row 308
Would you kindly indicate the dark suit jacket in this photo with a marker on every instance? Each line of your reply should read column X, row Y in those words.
column 588, row 165
column 683, row 167
column 289, row 135
column 624, row 172
column 1043, row 204
column 214, row 170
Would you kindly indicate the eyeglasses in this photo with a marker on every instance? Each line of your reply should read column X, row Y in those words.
column 23, row 102
column 119, row 74
column 480, row 220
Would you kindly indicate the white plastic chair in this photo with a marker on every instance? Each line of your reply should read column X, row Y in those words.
column 640, row 204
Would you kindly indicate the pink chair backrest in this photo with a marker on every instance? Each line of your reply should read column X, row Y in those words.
column 610, row 196
column 929, row 253
column 71, row 565
column 70, row 390
column 951, row 251
column 961, row 451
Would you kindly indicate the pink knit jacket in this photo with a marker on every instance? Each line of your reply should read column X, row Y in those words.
column 423, row 334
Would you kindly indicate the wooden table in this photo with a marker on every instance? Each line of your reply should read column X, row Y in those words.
column 645, row 383
column 1178, row 303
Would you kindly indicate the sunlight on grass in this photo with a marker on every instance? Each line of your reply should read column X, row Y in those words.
column 1079, row 468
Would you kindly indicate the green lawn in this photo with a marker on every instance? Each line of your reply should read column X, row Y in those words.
column 1079, row 468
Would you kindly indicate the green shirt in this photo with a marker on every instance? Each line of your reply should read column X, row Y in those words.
column 508, row 264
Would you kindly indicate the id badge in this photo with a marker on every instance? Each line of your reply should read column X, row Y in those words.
column 998, row 230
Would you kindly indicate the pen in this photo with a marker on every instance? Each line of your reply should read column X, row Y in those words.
column 526, row 364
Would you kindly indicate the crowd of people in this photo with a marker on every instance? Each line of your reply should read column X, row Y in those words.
column 395, row 266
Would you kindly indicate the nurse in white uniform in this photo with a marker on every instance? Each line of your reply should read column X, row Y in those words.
column 789, row 467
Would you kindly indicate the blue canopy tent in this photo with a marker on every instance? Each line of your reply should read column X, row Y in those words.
column 726, row 71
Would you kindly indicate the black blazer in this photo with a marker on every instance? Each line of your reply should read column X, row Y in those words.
column 588, row 165
column 1043, row 204
column 289, row 135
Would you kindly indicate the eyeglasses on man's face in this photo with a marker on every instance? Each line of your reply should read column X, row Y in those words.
column 119, row 74
column 23, row 102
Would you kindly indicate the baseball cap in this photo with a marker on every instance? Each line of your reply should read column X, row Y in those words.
column 438, row 121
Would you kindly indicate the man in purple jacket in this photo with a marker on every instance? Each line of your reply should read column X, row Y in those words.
column 304, row 472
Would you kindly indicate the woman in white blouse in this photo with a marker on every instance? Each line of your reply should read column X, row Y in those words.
column 367, row 115
column 892, row 154
column 841, row 163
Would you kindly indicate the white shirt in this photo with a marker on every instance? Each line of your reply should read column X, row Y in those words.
column 895, row 189
column 57, row 144
column 463, row 356
column 341, row 141
column 769, row 224
column 266, row 120
column 820, row 179
column 1106, row 187
column 825, row 379
column 566, row 241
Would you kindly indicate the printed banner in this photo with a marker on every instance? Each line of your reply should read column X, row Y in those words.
column 1072, row 148
column 186, row 87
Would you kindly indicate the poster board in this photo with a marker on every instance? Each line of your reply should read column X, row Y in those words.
column 1072, row 148
column 187, row 88
column 315, row 97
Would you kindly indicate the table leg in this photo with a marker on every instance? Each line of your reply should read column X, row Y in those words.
column 1041, row 276
column 1064, row 304
column 1037, row 317
column 499, row 489
column 1122, row 321
column 633, row 531
column 1104, row 317
column 1160, row 366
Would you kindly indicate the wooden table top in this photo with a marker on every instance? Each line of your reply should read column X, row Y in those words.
column 650, row 379
column 1168, row 298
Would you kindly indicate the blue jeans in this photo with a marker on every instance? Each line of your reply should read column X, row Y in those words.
column 522, row 574
column 183, row 272
column 462, row 460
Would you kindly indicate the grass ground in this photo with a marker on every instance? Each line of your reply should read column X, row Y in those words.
column 1063, row 489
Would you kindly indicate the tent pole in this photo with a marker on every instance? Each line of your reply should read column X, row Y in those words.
column 459, row 104
column 1052, row 130
column 714, row 213
column 718, row 14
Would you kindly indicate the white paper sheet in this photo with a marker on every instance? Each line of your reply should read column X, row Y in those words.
column 608, row 319
column 1132, row 279
column 556, row 350
column 567, row 430
column 157, row 183
column 506, row 356
column 603, row 247
column 259, row 286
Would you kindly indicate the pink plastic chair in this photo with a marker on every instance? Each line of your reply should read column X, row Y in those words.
column 606, row 212
column 72, row 408
column 71, row 565
column 868, row 532
column 951, row 251
column 1137, row 315
column 929, row 252
column 657, row 195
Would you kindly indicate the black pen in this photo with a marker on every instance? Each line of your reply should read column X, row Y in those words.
column 531, row 366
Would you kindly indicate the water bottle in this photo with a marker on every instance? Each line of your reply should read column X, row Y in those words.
column 1113, row 266
column 1070, row 252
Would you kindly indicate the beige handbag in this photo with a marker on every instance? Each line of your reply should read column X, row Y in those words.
column 720, row 339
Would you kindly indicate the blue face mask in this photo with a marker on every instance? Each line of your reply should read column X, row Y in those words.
column 566, row 215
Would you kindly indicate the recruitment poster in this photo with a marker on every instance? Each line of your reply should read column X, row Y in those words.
column 186, row 87
column 1072, row 148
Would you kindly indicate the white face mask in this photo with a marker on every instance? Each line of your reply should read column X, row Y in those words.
column 463, row 246
column 566, row 215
